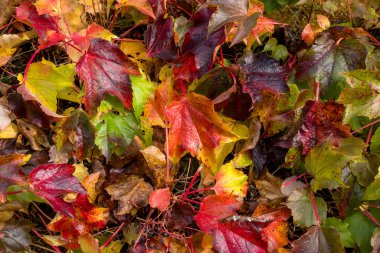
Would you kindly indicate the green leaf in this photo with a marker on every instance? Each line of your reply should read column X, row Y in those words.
column 342, row 229
column 373, row 190
column 302, row 209
column 23, row 197
column 375, row 142
column 365, row 168
column 114, row 132
column 142, row 90
column 362, row 98
column 361, row 228
column 45, row 83
column 325, row 161
column 280, row 52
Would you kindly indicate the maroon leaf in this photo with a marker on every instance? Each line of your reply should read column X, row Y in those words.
column 45, row 25
column 263, row 73
column 242, row 237
column 320, row 120
column 159, row 39
column 181, row 215
column 104, row 68
column 51, row 181
column 213, row 209
column 199, row 42
column 79, row 128
column 236, row 106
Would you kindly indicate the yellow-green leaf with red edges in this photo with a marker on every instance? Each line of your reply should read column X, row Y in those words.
column 195, row 127
column 230, row 181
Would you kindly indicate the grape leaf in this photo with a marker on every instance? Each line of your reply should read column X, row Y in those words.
column 45, row 25
column 325, row 162
column 301, row 205
column 45, row 83
column 15, row 236
column 104, row 68
column 342, row 228
column 142, row 90
column 81, row 132
column 318, row 239
column 230, row 181
column 130, row 191
column 233, row 237
column 263, row 73
column 51, row 181
column 141, row 5
column 159, row 39
column 326, row 60
column 114, row 132
column 195, row 127
column 214, row 208
column 10, row 168
column 69, row 13
column 201, row 44
column 320, row 120
column 372, row 192
column 362, row 97
column 160, row 199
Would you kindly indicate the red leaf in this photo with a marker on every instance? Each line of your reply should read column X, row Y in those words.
column 51, row 181
column 213, row 209
column 320, row 120
column 160, row 199
column 233, row 237
column 194, row 127
column 45, row 25
column 159, row 39
column 104, row 68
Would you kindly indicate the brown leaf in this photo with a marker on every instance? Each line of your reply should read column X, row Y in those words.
column 269, row 187
column 130, row 191
column 36, row 137
column 7, row 8
column 157, row 165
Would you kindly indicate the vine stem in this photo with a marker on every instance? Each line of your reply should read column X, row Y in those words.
column 364, row 127
column 368, row 138
column 313, row 203
column 369, row 215
column 112, row 236
column 191, row 183
column 28, row 64
column 143, row 228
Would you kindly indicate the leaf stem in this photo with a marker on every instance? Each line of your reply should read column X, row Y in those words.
column 28, row 64
column 364, row 127
column 313, row 203
column 112, row 236
column 192, row 182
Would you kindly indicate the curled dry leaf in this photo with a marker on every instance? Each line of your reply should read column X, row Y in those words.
column 131, row 192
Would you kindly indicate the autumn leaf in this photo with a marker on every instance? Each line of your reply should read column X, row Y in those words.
column 299, row 201
column 320, row 120
column 195, row 127
column 9, row 43
column 69, row 13
column 142, row 90
column 362, row 97
column 11, row 168
column 230, row 181
column 142, row 5
column 105, row 69
column 51, row 181
column 160, row 199
column 15, row 236
column 80, row 132
column 318, row 239
column 130, row 191
column 213, row 209
column 326, row 60
column 241, row 237
column 45, row 25
column 45, row 83
column 263, row 73
column 325, row 162
column 159, row 39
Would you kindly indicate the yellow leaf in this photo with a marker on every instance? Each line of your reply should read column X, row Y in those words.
column 10, row 132
column 230, row 181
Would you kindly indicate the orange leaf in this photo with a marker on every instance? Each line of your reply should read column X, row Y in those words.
column 160, row 199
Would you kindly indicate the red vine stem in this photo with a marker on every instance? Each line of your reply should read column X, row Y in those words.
column 112, row 236
column 364, row 127
column 369, row 216
column 28, row 64
column 192, row 182
column 313, row 203
column 368, row 138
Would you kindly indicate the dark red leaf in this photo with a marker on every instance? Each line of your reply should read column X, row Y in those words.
column 104, row 68
column 320, row 120
column 213, row 209
column 199, row 42
column 239, row 237
column 263, row 73
column 51, row 181
column 185, row 70
column 45, row 25
column 181, row 215
column 237, row 106
column 159, row 39
column 10, row 172
column 79, row 128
